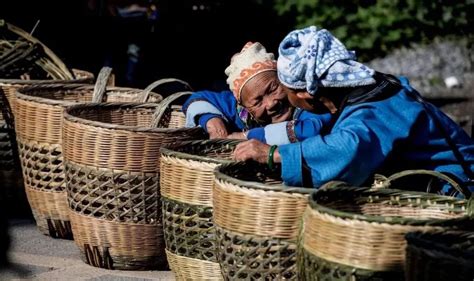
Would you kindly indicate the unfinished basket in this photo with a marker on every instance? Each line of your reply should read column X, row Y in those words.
column 112, row 165
column 187, row 177
column 440, row 256
column 257, row 220
column 358, row 233
column 22, row 54
column 39, row 124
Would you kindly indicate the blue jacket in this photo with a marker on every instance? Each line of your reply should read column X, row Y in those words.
column 393, row 134
column 204, row 105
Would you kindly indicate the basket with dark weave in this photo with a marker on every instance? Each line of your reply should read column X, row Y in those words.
column 39, row 121
column 187, row 177
column 440, row 256
column 112, row 165
column 257, row 220
column 358, row 233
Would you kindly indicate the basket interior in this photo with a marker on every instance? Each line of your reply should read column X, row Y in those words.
column 220, row 150
column 60, row 93
column 252, row 172
column 389, row 203
column 123, row 115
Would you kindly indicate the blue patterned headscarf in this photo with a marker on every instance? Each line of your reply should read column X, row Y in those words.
column 309, row 58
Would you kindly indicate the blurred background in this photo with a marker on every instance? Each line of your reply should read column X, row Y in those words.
column 429, row 41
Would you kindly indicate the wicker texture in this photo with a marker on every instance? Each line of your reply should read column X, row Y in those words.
column 440, row 256
column 257, row 221
column 39, row 114
column 112, row 167
column 363, row 229
column 187, row 177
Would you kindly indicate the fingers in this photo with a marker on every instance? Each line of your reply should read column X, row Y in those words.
column 251, row 149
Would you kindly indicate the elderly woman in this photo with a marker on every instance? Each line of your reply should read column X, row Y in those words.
column 257, row 98
column 380, row 124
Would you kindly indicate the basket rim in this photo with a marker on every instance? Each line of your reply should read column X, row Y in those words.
column 219, row 175
column 23, row 92
column 313, row 203
column 46, row 81
column 142, row 129
column 169, row 150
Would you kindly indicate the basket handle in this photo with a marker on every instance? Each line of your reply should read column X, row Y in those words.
column 163, row 105
column 384, row 182
column 149, row 88
column 101, row 84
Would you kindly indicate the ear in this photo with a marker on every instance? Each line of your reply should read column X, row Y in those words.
column 304, row 95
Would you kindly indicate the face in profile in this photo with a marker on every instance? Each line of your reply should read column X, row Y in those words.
column 266, row 99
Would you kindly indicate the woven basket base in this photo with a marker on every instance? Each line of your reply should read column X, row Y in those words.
column 252, row 257
column 311, row 267
column 114, row 245
column 50, row 212
column 54, row 228
column 186, row 268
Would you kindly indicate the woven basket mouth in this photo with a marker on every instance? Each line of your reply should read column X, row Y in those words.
column 218, row 151
column 458, row 244
column 366, row 204
column 254, row 175
column 94, row 114
column 66, row 94
column 84, row 80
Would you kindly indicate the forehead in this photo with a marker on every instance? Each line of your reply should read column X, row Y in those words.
column 259, row 85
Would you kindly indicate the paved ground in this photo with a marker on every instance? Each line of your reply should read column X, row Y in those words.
column 34, row 256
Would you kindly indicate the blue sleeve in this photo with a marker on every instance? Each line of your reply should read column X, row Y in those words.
column 357, row 145
column 257, row 133
column 204, row 104
column 310, row 124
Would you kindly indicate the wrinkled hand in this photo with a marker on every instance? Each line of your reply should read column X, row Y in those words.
column 252, row 149
column 216, row 128
column 237, row 136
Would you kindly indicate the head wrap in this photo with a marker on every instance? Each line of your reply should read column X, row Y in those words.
column 309, row 58
column 252, row 60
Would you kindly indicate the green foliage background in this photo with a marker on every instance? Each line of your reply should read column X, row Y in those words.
column 374, row 27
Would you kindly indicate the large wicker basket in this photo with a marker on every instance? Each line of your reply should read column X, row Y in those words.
column 112, row 155
column 358, row 233
column 257, row 221
column 39, row 122
column 187, row 177
column 10, row 171
column 440, row 256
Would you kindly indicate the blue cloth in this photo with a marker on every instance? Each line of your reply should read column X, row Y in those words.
column 378, row 137
column 205, row 105
column 309, row 58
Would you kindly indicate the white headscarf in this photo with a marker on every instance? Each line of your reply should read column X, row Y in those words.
column 309, row 58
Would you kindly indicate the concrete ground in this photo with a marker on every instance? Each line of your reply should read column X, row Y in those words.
column 34, row 256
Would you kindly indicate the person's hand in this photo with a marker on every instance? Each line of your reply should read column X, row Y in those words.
column 238, row 136
column 216, row 128
column 252, row 149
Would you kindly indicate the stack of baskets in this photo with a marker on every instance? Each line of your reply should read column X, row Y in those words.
column 440, row 256
column 112, row 165
column 357, row 233
column 257, row 220
column 39, row 114
column 187, row 177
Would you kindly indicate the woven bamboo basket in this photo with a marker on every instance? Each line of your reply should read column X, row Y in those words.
column 39, row 124
column 21, row 54
column 256, row 219
column 112, row 165
column 187, row 177
column 358, row 233
column 440, row 256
